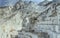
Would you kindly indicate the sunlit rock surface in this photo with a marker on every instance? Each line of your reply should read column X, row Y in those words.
column 30, row 20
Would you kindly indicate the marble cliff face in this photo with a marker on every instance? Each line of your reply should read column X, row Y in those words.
column 30, row 20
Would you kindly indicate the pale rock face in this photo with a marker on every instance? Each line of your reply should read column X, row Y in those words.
column 30, row 21
column 11, row 26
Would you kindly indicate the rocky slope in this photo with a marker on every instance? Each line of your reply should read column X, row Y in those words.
column 28, row 19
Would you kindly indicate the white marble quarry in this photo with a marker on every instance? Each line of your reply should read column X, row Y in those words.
column 30, row 21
